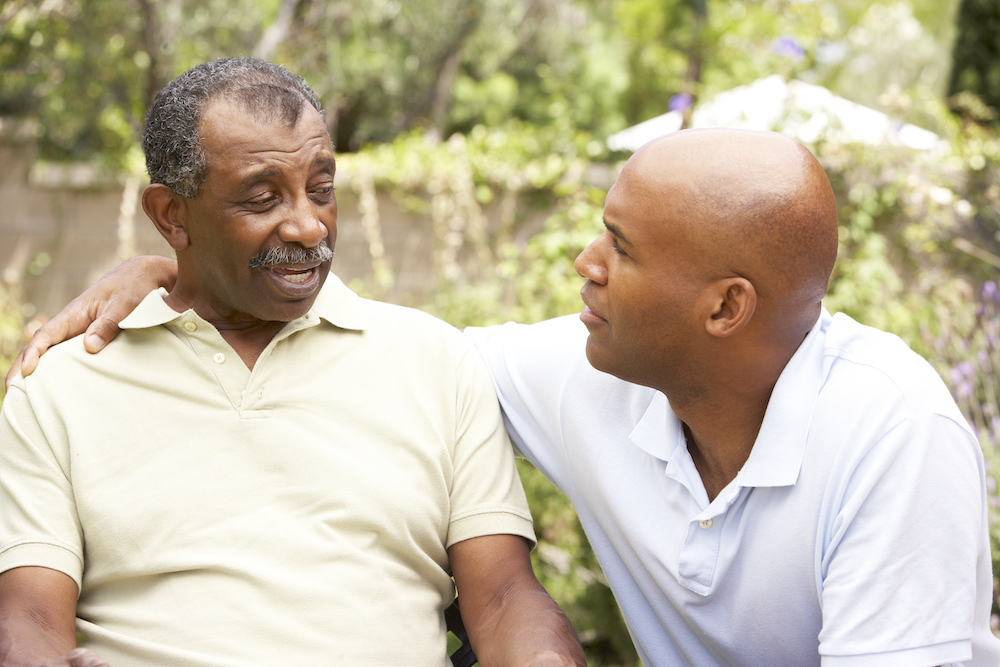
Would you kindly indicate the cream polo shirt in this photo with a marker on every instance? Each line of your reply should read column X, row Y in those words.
column 854, row 535
column 297, row 514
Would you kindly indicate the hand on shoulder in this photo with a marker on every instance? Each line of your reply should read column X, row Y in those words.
column 98, row 310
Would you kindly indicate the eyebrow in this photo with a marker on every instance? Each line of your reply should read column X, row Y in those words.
column 257, row 176
column 320, row 164
column 617, row 232
column 325, row 163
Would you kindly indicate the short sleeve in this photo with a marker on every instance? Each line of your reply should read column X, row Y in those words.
column 486, row 495
column 39, row 525
column 901, row 567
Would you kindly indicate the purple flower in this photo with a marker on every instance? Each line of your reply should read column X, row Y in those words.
column 961, row 379
column 679, row 102
column 990, row 291
column 789, row 48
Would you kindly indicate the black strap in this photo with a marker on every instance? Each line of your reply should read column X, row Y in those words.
column 463, row 655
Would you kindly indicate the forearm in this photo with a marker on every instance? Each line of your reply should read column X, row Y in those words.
column 526, row 628
column 511, row 620
column 158, row 269
column 37, row 616
column 29, row 642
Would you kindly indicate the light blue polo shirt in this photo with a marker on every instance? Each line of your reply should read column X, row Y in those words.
column 855, row 534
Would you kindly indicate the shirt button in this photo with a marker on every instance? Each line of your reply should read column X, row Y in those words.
column 219, row 357
column 190, row 326
column 706, row 524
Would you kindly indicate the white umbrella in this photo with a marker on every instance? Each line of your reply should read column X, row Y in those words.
column 795, row 108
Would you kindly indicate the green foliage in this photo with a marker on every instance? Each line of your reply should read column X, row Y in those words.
column 545, row 283
column 520, row 169
column 87, row 70
column 78, row 73
column 857, row 48
column 903, row 216
column 976, row 54
column 886, row 45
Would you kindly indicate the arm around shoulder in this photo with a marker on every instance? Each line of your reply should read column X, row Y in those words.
column 510, row 618
column 98, row 310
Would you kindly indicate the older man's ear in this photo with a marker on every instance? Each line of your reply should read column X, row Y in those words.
column 168, row 211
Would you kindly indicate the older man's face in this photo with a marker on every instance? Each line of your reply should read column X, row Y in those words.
column 269, row 187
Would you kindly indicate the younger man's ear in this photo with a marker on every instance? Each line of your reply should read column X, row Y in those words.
column 168, row 211
column 735, row 300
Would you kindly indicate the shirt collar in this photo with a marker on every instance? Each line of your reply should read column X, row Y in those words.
column 151, row 312
column 339, row 306
column 649, row 433
column 335, row 303
column 777, row 453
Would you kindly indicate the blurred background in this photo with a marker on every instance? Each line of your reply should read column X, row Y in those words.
column 477, row 138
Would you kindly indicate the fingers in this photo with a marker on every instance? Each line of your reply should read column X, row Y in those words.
column 29, row 359
column 100, row 333
column 95, row 312
column 54, row 331
column 98, row 310
column 78, row 657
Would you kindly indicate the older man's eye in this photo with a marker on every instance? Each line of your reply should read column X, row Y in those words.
column 323, row 194
column 262, row 200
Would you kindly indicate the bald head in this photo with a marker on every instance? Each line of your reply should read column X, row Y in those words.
column 752, row 204
column 710, row 273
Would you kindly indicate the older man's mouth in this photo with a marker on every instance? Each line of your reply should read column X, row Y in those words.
column 295, row 276
column 295, row 282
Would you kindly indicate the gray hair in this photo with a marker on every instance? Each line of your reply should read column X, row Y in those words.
column 171, row 138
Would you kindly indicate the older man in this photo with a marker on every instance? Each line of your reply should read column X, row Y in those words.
column 764, row 484
column 257, row 472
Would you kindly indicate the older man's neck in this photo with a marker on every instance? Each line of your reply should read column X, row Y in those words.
column 251, row 342
column 247, row 336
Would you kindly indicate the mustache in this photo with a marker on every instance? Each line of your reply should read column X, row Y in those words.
column 292, row 254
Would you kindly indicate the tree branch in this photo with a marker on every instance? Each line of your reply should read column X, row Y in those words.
column 275, row 33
